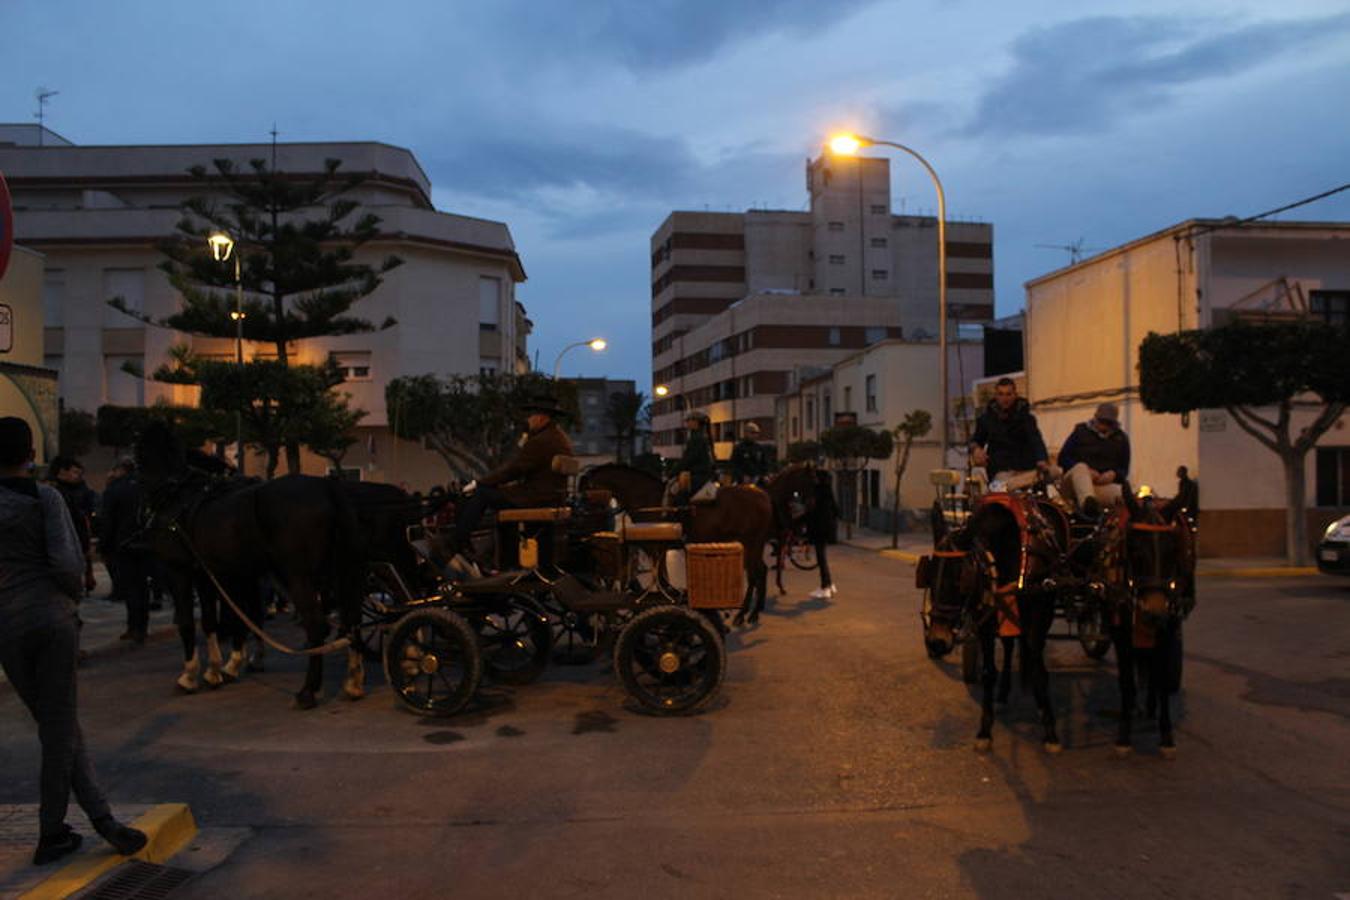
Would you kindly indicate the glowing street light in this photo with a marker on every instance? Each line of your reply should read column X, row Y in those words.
column 597, row 344
column 660, row 390
column 848, row 145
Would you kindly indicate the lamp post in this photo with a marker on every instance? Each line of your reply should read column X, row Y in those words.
column 849, row 145
column 596, row 344
column 222, row 248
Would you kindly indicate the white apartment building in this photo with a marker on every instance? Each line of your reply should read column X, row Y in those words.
column 96, row 213
column 1084, row 327
column 812, row 286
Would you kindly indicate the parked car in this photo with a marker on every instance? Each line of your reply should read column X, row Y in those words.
column 1333, row 552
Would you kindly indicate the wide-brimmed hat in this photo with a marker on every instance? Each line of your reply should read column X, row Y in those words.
column 543, row 403
column 1107, row 414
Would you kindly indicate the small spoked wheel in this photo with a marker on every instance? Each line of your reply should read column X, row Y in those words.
column 432, row 662
column 516, row 641
column 370, row 631
column 670, row 660
column 802, row 554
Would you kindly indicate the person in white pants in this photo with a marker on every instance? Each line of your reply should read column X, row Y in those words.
column 1096, row 461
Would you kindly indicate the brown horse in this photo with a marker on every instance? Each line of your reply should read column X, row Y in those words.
column 741, row 513
column 792, row 490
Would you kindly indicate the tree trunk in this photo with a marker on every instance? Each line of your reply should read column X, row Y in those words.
column 900, row 467
column 272, row 459
column 1295, row 509
column 292, row 458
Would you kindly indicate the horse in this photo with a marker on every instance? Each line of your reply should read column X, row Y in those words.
column 1007, row 548
column 795, row 481
column 1153, row 563
column 741, row 513
column 299, row 530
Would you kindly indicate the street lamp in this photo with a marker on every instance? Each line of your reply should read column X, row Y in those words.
column 660, row 390
column 596, row 344
column 849, row 145
column 222, row 247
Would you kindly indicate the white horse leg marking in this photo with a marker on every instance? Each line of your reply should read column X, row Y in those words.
column 188, row 680
column 234, row 665
column 212, row 675
column 355, row 684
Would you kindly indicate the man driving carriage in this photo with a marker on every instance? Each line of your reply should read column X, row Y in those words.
column 695, row 468
column 1007, row 440
column 527, row 479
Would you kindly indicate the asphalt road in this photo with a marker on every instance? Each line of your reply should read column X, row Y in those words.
column 837, row 763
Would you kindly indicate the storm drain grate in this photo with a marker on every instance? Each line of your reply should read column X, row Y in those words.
column 138, row 880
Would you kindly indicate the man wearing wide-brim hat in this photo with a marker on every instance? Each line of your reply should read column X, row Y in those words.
column 527, row 479
column 1096, row 461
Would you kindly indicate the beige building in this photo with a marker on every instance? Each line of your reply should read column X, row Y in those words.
column 1085, row 324
column 813, row 287
column 27, row 389
column 877, row 387
column 96, row 213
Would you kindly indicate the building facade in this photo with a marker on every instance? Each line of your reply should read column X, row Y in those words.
column 1084, row 327
column 593, row 436
column 739, row 300
column 96, row 213
column 27, row 389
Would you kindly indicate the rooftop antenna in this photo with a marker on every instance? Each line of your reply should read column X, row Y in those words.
column 1075, row 249
column 274, row 133
column 43, row 95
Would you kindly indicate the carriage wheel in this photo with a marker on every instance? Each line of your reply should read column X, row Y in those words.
column 970, row 661
column 670, row 660
column 803, row 555
column 371, row 631
column 432, row 662
column 516, row 643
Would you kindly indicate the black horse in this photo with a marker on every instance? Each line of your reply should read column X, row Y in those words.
column 792, row 490
column 298, row 530
column 1156, row 586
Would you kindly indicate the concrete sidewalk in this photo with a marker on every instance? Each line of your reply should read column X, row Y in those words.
column 913, row 544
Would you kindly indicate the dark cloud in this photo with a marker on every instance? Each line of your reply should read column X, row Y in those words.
column 657, row 34
column 1078, row 76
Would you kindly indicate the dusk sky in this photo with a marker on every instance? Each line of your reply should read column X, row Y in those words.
column 583, row 124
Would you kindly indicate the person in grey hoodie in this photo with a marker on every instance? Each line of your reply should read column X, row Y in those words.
column 41, row 576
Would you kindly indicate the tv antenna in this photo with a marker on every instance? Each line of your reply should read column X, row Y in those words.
column 43, row 95
column 1075, row 249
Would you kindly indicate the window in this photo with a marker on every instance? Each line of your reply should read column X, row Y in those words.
column 836, row 226
column 810, row 413
column 879, row 275
column 870, row 390
column 354, row 366
column 879, row 242
column 795, row 430
column 834, row 337
column 836, row 259
column 878, row 209
column 487, row 365
column 1332, row 306
column 489, row 303
column 129, row 284
column 1333, row 476
column 54, row 298
column 874, row 489
column 848, row 398
column 827, row 415
column 874, row 333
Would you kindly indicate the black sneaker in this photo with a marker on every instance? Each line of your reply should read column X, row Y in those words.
column 124, row 839
column 52, row 847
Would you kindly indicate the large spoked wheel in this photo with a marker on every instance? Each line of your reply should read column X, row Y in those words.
column 516, row 642
column 432, row 662
column 579, row 639
column 670, row 660
column 802, row 554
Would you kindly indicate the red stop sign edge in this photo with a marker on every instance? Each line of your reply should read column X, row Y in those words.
column 6, row 226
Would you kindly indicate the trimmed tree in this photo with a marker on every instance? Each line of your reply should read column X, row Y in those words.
column 1250, row 370
column 849, row 446
column 296, row 238
column 915, row 425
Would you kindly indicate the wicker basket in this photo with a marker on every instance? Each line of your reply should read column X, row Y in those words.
column 716, row 575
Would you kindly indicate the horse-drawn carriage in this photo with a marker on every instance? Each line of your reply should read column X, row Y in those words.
column 578, row 578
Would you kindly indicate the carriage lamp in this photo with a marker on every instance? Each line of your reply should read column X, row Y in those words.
column 1144, row 492
column 221, row 245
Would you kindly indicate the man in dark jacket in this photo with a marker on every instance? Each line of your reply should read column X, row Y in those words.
column 1096, row 461
column 67, row 475
column 697, row 460
column 527, row 479
column 749, row 462
column 40, row 577
column 1007, row 440
column 128, row 565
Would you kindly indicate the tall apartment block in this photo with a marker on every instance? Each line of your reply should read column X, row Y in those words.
column 741, row 302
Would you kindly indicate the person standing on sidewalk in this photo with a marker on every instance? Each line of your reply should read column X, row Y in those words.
column 131, row 566
column 66, row 474
column 819, row 525
column 41, row 571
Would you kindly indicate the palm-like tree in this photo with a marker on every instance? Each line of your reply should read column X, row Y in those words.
column 624, row 412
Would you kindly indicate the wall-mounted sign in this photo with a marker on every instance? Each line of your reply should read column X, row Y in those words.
column 6, row 226
column 1213, row 420
column 6, row 328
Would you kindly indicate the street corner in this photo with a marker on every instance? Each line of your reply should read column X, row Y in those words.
column 168, row 826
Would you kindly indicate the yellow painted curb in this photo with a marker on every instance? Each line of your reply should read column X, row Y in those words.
column 169, row 826
column 902, row 555
column 1258, row 572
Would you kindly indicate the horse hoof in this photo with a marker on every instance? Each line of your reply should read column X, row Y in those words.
column 182, row 688
column 1123, row 751
column 1053, row 748
column 1168, row 753
column 353, row 695
column 983, row 745
column 305, row 700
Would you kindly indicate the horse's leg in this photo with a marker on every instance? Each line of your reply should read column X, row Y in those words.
column 758, row 577
column 1158, row 683
column 1040, row 674
column 1005, row 676
column 1122, row 637
column 180, row 588
column 778, row 560
column 988, row 675
column 354, row 685
column 305, row 601
column 244, row 592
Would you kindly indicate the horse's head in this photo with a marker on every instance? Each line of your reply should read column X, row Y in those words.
column 952, row 578
column 1159, row 559
column 632, row 488
column 792, row 490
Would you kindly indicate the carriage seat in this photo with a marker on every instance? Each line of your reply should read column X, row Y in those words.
column 653, row 532
column 535, row 514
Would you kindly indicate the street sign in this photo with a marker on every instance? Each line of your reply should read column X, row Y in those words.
column 6, row 226
column 6, row 328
